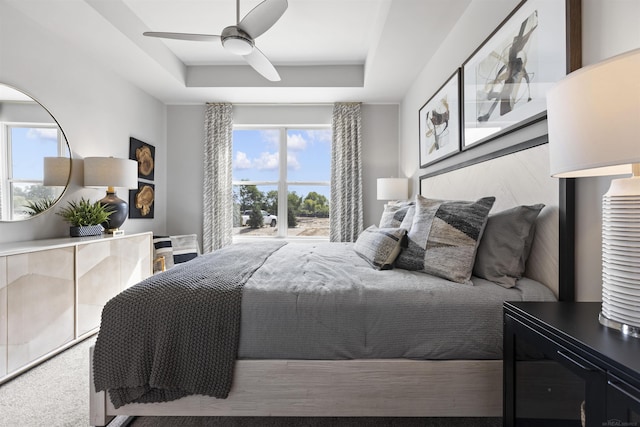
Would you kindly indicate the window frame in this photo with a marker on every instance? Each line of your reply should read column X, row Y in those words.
column 282, row 184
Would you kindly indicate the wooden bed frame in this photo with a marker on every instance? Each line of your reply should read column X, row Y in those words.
column 396, row 387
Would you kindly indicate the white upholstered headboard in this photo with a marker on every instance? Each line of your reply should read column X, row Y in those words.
column 520, row 178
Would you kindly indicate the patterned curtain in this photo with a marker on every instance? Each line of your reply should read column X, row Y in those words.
column 217, row 189
column 346, row 174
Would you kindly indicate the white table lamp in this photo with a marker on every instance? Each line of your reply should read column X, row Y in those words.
column 594, row 130
column 112, row 172
column 392, row 188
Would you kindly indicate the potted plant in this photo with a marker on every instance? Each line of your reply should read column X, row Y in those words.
column 85, row 217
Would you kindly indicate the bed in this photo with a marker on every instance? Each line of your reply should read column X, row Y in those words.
column 314, row 354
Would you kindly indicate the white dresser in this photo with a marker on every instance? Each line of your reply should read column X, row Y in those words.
column 52, row 292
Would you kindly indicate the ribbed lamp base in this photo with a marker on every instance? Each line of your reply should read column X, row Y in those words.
column 621, row 258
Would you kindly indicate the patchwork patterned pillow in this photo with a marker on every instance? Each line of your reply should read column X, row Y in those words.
column 185, row 247
column 444, row 236
column 162, row 248
column 398, row 215
column 505, row 245
column 380, row 246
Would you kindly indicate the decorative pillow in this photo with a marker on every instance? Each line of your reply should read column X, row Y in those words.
column 505, row 245
column 380, row 246
column 185, row 248
column 398, row 214
column 162, row 249
column 444, row 237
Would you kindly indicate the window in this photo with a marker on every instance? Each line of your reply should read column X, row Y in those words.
column 281, row 195
column 24, row 147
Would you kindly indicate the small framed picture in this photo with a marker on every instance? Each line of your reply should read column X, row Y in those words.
column 145, row 155
column 439, row 123
column 141, row 201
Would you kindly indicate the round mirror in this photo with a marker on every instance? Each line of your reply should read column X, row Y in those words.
column 35, row 160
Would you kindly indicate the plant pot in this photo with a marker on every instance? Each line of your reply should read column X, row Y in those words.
column 85, row 230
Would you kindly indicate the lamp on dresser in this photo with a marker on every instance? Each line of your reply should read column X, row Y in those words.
column 594, row 130
column 112, row 172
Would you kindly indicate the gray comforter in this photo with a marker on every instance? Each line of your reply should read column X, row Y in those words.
column 176, row 333
column 322, row 301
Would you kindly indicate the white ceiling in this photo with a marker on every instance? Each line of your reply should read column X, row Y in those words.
column 324, row 50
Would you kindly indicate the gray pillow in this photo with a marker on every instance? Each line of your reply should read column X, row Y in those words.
column 505, row 245
column 444, row 237
column 380, row 246
column 397, row 215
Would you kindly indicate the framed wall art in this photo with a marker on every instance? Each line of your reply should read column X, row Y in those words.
column 505, row 80
column 141, row 201
column 145, row 155
column 439, row 123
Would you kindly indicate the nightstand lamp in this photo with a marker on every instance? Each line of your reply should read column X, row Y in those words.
column 392, row 189
column 594, row 130
column 112, row 172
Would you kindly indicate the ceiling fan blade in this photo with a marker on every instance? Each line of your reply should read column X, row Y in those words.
column 183, row 36
column 262, row 65
column 262, row 17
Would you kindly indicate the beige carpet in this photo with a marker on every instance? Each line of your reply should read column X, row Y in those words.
column 56, row 393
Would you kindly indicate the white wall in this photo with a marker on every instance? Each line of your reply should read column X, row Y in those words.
column 185, row 136
column 609, row 27
column 96, row 108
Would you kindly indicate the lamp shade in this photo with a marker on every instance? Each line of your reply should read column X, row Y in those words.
column 110, row 172
column 56, row 171
column 593, row 116
column 393, row 188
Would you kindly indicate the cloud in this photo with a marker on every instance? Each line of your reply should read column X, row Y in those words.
column 242, row 161
column 292, row 161
column 43, row 133
column 319, row 135
column 296, row 142
column 271, row 136
column 267, row 161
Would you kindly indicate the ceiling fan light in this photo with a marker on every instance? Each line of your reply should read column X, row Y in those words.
column 237, row 45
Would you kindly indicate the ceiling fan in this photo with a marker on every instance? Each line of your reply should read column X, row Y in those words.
column 239, row 39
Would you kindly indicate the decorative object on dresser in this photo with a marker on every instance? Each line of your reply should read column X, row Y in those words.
column 85, row 217
column 112, row 172
column 594, row 123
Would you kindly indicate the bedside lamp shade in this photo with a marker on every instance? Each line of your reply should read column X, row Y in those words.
column 593, row 116
column 392, row 188
column 112, row 172
column 594, row 119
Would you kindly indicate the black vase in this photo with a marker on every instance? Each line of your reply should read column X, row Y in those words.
column 119, row 209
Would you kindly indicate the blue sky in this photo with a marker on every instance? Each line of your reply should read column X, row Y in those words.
column 29, row 146
column 256, row 157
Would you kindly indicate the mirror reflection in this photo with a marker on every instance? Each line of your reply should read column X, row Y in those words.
column 35, row 160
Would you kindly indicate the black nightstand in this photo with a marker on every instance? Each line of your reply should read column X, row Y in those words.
column 561, row 365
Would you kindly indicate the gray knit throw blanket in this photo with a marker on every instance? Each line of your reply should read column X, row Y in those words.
column 177, row 333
